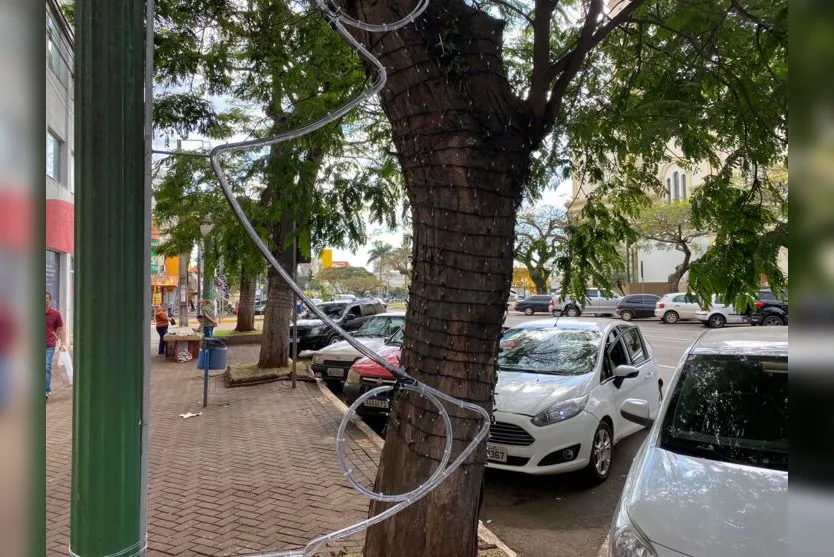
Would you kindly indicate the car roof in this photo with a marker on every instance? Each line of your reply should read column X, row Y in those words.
column 570, row 323
column 391, row 314
column 743, row 341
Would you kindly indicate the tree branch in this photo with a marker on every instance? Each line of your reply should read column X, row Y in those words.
column 568, row 65
column 541, row 78
column 513, row 9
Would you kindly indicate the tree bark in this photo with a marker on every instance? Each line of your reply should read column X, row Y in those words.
column 539, row 278
column 277, row 315
column 246, row 303
column 674, row 280
column 461, row 137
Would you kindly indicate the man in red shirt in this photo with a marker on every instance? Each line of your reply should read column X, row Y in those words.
column 54, row 332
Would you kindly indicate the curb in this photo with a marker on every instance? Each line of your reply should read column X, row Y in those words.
column 603, row 549
column 484, row 533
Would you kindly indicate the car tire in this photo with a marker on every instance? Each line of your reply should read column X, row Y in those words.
column 333, row 340
column 627, row 315
column 572, row 311
column 602, row 451
column 555, row 313
column 528, row 311
column 772, row 321
column 671, row 317
column 716, row 321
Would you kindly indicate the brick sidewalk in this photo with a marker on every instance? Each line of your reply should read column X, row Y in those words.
column 256, row 472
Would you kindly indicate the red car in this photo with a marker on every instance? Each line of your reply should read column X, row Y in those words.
column 366, row 374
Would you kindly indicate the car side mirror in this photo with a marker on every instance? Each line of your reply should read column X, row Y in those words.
column 637, row 411
column 626, row 372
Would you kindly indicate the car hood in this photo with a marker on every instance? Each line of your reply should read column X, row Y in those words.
column 697, row 506
column 369, row 368
column 530, row 393
column 308, row 323
column 342, row 348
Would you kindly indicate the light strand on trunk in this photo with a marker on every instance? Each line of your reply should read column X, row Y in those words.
column 405, row 382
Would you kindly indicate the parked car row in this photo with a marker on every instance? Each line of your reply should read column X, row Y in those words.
column 669, row 308
column 569, row 390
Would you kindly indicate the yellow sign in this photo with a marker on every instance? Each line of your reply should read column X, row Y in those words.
column 522, row 280
column 326, row 258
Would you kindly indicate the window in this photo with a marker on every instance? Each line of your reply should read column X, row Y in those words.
column 592, row 292
column 71, row 173
column 634, row 345
column 615, row 355
column 677, row 185
column 551, row 351
column 684, row 299
column 669, row 190
column 683, row 187
column 53, row 49
column 53, row 156
column 53, row 277
column 730, row 408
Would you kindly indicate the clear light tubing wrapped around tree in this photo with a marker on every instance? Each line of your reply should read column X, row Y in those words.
column 405, row 382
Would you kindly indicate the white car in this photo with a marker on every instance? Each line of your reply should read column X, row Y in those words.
column 720, row 314
column 712, row 476
column 559, row 392
column 676, row 306
column 332, row 362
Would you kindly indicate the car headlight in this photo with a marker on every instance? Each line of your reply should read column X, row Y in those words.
column 561, row 411
column 353, row 376
column 318, row 358
column 627, row 540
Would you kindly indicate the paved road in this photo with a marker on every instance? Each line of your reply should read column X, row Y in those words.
column 555, row 516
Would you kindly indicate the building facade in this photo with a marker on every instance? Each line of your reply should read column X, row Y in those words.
column 60, row 155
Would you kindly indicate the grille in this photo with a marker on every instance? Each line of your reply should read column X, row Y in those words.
column 513, row 461
column 509, row 434
column 337, row 363
column 377, row 382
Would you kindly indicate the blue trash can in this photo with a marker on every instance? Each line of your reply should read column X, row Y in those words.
column 216, row 352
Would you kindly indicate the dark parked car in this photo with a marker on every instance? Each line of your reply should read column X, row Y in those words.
column 348, row 314
column 532, row 304
column 636, row 305
column 770, row 313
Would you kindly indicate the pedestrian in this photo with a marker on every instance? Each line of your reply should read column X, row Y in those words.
column 55, row 335
column 162, row 319
column 208, row 319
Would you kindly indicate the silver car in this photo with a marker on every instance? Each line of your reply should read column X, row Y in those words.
column 596, row 303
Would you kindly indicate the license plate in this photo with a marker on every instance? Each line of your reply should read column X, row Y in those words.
column 496, row 453
column 378, row 403
column 335, row 372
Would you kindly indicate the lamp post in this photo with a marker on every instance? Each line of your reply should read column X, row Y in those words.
column 205, row 227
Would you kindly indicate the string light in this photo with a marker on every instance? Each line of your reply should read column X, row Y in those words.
column 405, row 382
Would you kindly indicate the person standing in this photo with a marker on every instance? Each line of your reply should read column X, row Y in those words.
column 162, row 319
column 208, row 319
column 55, row 334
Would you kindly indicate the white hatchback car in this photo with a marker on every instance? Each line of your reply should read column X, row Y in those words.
column 675, row 307
column 712, row 476
column 559, row 393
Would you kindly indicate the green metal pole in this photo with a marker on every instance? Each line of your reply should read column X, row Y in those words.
column 112, row 319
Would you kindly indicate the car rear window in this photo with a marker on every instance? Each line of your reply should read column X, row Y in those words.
column 731, row 409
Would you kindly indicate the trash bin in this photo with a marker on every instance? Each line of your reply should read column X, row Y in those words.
column 216, row 351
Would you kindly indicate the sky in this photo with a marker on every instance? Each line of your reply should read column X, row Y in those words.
column 558, row 196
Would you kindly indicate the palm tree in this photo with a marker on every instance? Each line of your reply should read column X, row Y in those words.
column 380, row 253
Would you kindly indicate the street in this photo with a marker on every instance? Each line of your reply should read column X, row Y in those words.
column 546, row 516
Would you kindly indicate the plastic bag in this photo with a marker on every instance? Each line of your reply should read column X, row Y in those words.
column 65, row 368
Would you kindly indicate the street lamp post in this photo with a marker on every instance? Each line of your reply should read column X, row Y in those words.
column 205, row 227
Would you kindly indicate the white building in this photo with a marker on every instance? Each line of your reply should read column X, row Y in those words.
column 60, row 153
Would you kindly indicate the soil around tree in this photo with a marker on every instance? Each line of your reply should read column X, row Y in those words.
column 241, row 375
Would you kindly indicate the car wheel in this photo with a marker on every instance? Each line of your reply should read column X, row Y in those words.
column 602, row 447
column 528, row 311
column 555, row 313
column 671, row 317
column 627, row 315
column 772, row 321
column 333, row 340
column 572, row 311
column 716, row 321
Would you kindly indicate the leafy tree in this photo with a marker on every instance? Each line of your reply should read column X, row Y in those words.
column 380, row 254
column 477, row 116
column 538, row 239
column 349, row 280
column 227, row 68
column 400, row 261
column 669, row 226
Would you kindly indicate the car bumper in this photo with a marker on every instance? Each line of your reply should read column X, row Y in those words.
column 331, row 370
column 377, row 406
column 545, row 455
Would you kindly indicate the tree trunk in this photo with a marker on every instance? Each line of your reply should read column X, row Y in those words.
column 539, row 278
column 277, row 315
column 674, row 279
column 246, row 303
column 460, row 135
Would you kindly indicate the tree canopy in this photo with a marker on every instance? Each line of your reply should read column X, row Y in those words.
column 349, row 280
column 539, row 235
